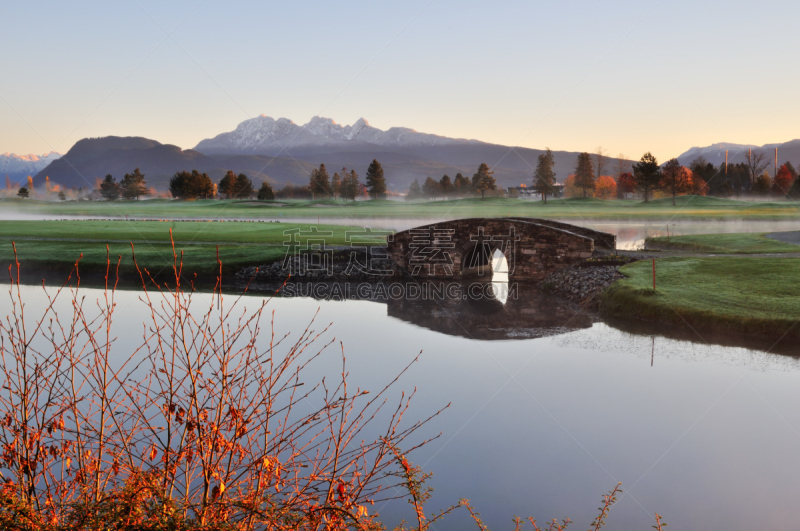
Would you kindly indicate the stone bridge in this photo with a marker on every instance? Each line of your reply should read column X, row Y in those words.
column 463, row 248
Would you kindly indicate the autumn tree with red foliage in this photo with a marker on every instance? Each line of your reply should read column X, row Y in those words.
column 626, row 184
column 783, row 181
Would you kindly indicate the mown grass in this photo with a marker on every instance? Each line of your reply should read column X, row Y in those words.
column 739, row 243
column 688, row 207
column 56, row 245
column 741, row 295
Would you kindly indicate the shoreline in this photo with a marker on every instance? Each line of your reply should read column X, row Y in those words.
column 753, row 308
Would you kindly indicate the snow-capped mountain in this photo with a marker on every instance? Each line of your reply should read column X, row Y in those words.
column 266, row 136
column 405, row 154
column 20, row 166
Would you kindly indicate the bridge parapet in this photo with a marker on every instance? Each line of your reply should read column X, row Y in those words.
column 602, row 240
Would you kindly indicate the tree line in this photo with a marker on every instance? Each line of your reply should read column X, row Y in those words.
column 482, row 182
column 196, row 185
column 345, row 185
column 646, row 178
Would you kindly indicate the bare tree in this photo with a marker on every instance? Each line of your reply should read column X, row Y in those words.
column 757, row 162
column 600, row 160
column 623, row 166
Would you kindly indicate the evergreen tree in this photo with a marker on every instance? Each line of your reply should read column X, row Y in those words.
column 350, row 186
column 376, row 184
column 227, row 186
column 202, row 185
column 109, row 188
column 414, row 191
column 703, row 169
column 194, row 185
column 430, row 188
column 133, row 185
column 484, row 180
column 265, row 193
column 445, row 186
column 793, row 193
column 584, row 174
column 461, row 184
column 647, row 175
column 336, row 185
column 320, row 182
column 762, row 185
column 62, row 196
column 544, row 178
column 23, row 193
column 244, row 187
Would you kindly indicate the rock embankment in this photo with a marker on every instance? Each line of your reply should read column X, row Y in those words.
column 582, row 282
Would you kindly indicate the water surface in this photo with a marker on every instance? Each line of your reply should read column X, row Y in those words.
column 543, row 423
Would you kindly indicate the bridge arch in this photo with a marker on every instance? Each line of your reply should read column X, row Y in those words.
column 477, row 258
column 458, row 249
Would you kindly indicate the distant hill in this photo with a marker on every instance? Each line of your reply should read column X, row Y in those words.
column 93, row 158
column 715, row 153
column 18, row 167
column 404, row 153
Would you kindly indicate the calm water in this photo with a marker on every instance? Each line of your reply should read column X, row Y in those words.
column 550, row 409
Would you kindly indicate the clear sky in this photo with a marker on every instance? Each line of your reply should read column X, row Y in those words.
column 631, row 76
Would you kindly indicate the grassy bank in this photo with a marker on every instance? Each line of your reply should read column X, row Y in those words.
column 688, row 207
column 54, row 246
column 740, row 295
column 739, row 243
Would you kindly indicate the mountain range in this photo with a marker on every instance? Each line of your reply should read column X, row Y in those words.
column 18, row 167
column 281, row 151
column 404, row 153
column 715, row 153
column 263, row 135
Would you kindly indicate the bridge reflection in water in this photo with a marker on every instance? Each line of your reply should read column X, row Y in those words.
column 479, row 311
column 485, row 306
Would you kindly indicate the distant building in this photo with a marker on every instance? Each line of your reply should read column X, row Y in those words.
column 522, row 190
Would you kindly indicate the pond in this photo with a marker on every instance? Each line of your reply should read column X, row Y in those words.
column 551, row 407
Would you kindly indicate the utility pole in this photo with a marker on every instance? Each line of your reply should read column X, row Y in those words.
column 726, row 162
column 776, row 163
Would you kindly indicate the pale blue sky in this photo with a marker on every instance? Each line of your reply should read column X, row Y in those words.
column 629, row 75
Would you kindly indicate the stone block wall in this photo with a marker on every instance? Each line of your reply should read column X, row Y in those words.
column 532, row 249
